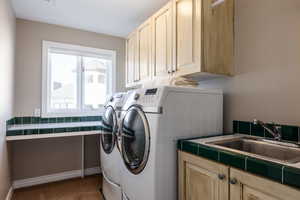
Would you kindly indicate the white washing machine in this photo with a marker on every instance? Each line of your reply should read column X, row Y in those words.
column 110, row 154
column 155, row 119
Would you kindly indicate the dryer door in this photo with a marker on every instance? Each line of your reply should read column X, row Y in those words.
column 135, row 139
column 109, row 130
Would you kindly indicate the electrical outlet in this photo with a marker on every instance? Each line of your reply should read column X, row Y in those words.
column 49, row 2
column 37, row 112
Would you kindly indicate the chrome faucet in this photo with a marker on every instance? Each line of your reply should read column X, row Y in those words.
column 274, row 130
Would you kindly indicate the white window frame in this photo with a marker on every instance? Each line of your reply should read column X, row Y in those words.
column 80, row 51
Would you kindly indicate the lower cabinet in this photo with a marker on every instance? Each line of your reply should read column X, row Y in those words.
column 245, row 186
column 200, row 178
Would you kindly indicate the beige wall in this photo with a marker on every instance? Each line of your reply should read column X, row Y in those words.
column 29, row 58
column 267, row 63
column 34, row 158
column 7, row 47
column 43, row 157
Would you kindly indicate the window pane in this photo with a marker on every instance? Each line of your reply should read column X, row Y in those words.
column 63, row 92
column 95, row 82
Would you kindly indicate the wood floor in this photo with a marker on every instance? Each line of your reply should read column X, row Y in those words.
column 74, row 189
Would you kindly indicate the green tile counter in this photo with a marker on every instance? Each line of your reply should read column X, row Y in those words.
column 40, row 120
column 284, row 173
column 21, row 128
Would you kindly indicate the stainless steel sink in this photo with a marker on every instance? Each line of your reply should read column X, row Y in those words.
column 280, row 151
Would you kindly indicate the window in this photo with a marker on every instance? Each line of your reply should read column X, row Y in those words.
column 76, row 79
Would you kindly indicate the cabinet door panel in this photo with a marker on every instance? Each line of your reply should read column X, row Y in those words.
column 188, row 35
column 162, row 41
column 198, row 179
column 185, row 32
column 131, row 59
column 218, row 37
column 251, row 187
column 144, row 69
column 252, row 194
column 200, row 183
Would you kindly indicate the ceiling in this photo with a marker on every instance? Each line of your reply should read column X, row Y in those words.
column 113, row 17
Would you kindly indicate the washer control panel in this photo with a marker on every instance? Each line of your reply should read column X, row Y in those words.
column 150, row 92
column 147, row 97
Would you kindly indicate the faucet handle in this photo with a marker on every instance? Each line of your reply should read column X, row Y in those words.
column 278, row 128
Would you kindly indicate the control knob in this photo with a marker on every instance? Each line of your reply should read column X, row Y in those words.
column 136, row 96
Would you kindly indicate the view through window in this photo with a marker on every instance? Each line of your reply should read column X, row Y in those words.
column 77, row 82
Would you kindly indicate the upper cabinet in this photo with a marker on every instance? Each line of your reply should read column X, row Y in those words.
column 187, row 20
column 163, row 55
column 139, row 55
column 144, row 67
column 204, row 37
column 131, row 60
column 191, row 38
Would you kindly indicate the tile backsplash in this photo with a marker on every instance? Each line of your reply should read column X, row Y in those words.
column 289, row 133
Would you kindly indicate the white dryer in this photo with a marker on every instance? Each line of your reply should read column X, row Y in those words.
column 155, row 119
column 110, row 155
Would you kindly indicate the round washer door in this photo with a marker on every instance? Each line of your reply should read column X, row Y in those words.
column 109, row 130
column 135, row 139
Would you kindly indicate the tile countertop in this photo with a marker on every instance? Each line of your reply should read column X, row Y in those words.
column 53, row 125
column 284, row 173
column 50, row 130
column 51, row 135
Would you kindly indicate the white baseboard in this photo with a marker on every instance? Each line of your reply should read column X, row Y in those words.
column 54, row 177
column 92, row 171
column 9, row 194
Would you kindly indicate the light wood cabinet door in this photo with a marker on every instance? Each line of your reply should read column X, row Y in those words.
column 251, row 187
column 143, row 69
column 218, row 36
column 162, row 42
column 187, row 23
column 204, row 37
column 202, row 179
column 131, row 59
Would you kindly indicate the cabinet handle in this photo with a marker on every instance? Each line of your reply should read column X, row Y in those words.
column 173, row 71
column 233, row 181
column 221, row 176
column 216, row 3
column 169, row 72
